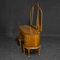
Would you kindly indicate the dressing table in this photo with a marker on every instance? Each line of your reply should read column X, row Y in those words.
column 30, row 34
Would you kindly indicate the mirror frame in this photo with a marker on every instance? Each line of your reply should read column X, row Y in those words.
column 38, row 26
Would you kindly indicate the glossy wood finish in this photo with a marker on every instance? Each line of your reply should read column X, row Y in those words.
column 31, row 38
column 31, row 35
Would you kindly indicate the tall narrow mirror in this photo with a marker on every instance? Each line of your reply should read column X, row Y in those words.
column 34, row 20
column 36, row 17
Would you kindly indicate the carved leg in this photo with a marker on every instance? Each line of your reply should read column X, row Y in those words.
column 39, row 51
column 28, row 53
column 20, row 43
column 23, row 50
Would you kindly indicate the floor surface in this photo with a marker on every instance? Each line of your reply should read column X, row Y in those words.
column 50, row 49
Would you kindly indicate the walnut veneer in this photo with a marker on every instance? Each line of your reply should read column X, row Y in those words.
column 31, row 34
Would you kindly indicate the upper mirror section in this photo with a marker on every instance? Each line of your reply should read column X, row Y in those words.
column 36, row 17
column 34, row 21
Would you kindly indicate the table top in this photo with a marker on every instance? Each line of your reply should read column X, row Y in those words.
column 28, row 29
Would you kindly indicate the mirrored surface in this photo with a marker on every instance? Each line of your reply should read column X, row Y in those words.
column 34, row 21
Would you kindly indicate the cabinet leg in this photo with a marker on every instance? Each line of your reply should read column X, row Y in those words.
column 39, row 51
column 28, row 52
column 23, row 50
column 20, row 43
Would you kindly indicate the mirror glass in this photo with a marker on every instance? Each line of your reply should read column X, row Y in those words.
column 34, row 21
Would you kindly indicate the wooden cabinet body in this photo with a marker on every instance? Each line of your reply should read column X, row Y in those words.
column 32, row 40
column 30, row 36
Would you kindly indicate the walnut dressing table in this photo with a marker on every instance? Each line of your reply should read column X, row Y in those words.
column 30, row 34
